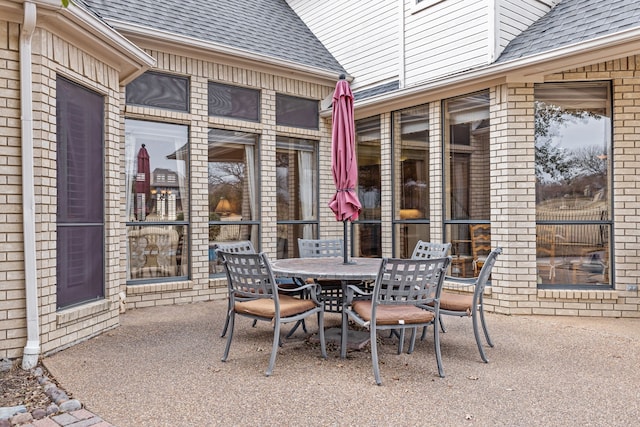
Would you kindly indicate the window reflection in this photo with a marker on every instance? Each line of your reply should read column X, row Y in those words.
column 296, row 193
column 233, row 198
column 411, row 175
column 367, row 230
column 572, row 158
column 467, row 199
column 157, row 199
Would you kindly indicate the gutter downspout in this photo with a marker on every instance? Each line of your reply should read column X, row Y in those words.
column 32, row 348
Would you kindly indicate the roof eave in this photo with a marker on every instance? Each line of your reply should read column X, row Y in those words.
column 152, row 38
column 88, row 32
column 526, row 69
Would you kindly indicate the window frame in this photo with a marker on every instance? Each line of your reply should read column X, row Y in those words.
column 82, row 280
column 286, row 142
column 461, row 246
column 559, row 223
column 400, row 225
column 183, row 244
column 254, row 222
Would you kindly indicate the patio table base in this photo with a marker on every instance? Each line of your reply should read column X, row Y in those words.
column 356, row 340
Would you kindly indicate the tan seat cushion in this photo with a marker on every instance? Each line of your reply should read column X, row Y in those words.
column 456, row 302
column 393, row 314
column 265, row 307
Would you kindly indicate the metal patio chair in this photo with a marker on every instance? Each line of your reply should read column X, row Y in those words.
column 452, row 304
column 255, row 294
column 406, row 295
column 331, row 290
column 424, row 250
column 427, row 250
column 241, row 247
column 246, row 247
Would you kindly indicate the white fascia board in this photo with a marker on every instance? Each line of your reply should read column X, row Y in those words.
column 527, row 69
column 178, row 43
column 86, row 30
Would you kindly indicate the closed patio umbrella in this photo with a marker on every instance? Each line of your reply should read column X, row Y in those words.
column 143, row 182
column 344, row 165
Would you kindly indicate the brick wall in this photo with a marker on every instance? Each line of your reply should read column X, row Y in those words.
column 12, row 294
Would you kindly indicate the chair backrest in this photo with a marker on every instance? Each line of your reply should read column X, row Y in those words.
column 409, row 281
column 249, row 275
column 480, row 239
column 485, row 272
column 318, row 248
column 426, row 250
column 241, row 247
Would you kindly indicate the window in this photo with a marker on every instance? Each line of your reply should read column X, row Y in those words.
column 234, row 102
column 80, row 186
column 233, row 191
column 297, row 112
column 159, row 90
column 411, row 178
column 573, row 202
column 367, row 229
column 157, row 200
column 466, row 179
column 296, row 193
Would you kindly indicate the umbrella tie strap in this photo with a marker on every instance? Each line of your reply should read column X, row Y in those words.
column 346, row 189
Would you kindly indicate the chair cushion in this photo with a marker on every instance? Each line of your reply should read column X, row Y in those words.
column 456, row 302
column 265, row 307
column 393, row 314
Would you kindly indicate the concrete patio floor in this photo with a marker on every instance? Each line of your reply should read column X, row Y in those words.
column 162, row 367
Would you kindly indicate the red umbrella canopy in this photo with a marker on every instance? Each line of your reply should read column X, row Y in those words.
column 143, row 178
column 344, row 164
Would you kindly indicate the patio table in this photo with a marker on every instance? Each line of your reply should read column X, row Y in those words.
column 359, row 270
column 332, row 268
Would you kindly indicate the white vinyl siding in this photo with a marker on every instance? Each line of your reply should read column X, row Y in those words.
column 515, row 16
column 362, row 35
column 439, row 38
column 450, row 36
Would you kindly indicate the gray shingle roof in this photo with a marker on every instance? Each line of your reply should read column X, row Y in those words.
column 266, row 27
column 377, row 90
column 573, row 21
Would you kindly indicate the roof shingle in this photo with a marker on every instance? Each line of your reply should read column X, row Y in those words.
column 266, row 27
column 573, row 21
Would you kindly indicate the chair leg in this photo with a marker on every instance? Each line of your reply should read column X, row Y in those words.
column 323, row 345
column 295, row 327
column 274, row 348
column 484, row 326
column 436, row 343
column 424, row 331
column 414, row 332
column 226, row 322
column 231, row 322
column 374, row 355
column 343, row 335
column 476, row 333
column 401, row 341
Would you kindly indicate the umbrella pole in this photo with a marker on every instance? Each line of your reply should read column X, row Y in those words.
column 345, row 248
column 346, row 243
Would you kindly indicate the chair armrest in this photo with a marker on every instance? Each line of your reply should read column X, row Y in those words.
column 351, row 291
column 310, row 289
column 296, row 287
